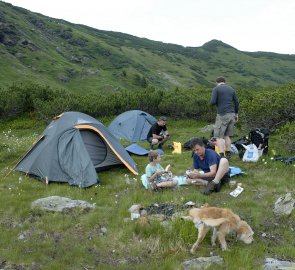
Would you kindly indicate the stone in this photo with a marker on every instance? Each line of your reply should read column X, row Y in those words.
column 135, row 208
column 206, row 129
column 284, row 205
column 60, row 204
column 202, row 263
column 274, row 264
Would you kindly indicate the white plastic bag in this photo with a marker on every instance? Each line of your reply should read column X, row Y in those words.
column 251, row 153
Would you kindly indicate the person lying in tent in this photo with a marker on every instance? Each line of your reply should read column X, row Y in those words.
column 158, row 133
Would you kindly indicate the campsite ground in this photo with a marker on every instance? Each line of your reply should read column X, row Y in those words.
column 33, row 239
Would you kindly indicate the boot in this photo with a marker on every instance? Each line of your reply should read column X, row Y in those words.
column 211, row 187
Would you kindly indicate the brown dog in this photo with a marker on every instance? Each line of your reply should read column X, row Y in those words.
column 223, row 221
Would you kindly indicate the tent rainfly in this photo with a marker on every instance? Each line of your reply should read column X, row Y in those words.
column 132, row 125
column 71, row 149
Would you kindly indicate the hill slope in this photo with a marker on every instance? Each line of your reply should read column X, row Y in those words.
column 50, row 51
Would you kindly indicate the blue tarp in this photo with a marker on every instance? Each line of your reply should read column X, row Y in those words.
column 235, row 171
column 139, row 150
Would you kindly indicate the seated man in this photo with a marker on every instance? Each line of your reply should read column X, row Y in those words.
column 158, row 133
column 215, row 169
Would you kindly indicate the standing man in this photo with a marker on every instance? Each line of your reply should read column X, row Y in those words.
column 210, row 169
column 158, row 133
column 227, row 102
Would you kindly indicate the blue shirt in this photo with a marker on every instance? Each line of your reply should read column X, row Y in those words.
column 210, row 158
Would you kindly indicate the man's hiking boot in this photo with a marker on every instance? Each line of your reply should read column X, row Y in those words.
column 228, row 155
column 211, row 187
column 217, row 187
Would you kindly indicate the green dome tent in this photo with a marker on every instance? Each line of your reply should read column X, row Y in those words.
column 71, row 149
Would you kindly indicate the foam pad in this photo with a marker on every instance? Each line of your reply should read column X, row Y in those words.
column 140, row 151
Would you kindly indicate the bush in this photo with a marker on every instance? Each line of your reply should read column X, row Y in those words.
column 269, row 108
column 287, row 136
column 192, row 103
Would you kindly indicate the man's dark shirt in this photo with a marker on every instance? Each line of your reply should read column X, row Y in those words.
column 225, row 98
column 156, row 129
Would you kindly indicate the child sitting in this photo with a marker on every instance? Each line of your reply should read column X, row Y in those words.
column 155, row 176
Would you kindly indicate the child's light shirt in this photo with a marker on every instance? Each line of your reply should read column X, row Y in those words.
column 150, row 170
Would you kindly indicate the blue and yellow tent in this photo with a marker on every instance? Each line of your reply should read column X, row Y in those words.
column 71, row 149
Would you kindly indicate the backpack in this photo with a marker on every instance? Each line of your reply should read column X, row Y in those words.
column 260, row 136
column 240, row 142
column 188, row 145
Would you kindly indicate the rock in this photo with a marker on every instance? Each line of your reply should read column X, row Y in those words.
column 274, row 264
column 135, row 208
column 24, row 236
column 103, row 231
column 190, row 203
column 206, row 129
column 284, row 205
column 177, row 215
column 20, row 55
column 59, row 204
column 202, row 263
column 21, row 237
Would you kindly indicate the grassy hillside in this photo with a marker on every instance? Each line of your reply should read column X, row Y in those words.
column 34, row 239
column 54, row 52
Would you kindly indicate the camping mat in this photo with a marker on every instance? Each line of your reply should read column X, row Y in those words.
column 139, row 150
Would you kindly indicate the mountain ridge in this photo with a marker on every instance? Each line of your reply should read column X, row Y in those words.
column 37, row 48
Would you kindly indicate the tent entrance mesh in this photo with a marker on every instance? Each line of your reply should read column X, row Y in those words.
column 95, row 146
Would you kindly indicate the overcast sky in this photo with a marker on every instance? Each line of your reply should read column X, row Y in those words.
column 247, row 25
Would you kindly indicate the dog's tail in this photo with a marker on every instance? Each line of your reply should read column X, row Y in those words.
column 214, row 222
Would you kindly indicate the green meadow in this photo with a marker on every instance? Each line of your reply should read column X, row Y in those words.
column 49, row 66
column 35, row 239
